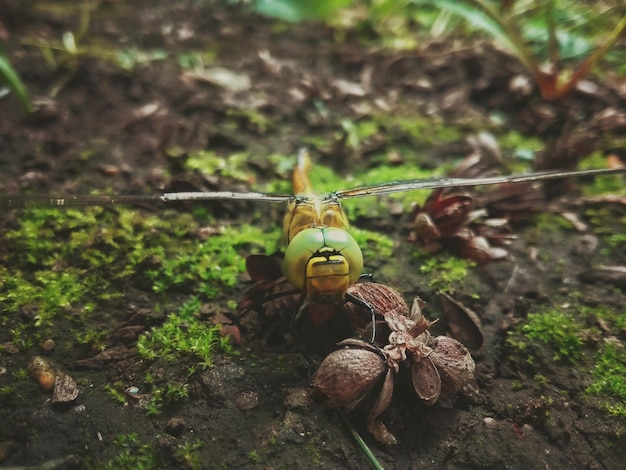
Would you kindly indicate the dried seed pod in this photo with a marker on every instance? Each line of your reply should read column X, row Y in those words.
column 383, row 298
column 426, row 380
column 43, row 371
column 347, row 375
column 454, row 363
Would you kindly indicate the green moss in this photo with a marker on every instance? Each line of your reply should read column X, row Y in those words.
column 357, row 132
column 115, row 393
column 235, row 165
column 521, row 146
column 609, row 374
column 445, row 272
column 183, row 333
column 248, row 118
column 197, row 59
column 559, row 330
column 59, row 259
column 610, row 224
column 570, row 333
column 254, row 456
column 424, row 130
column 607, row 184
column 211, row 267
column 188, row 454
column 133, row 454
column 67, row 265
column 374, row 245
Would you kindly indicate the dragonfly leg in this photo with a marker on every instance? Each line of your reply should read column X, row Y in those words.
column 366, row 277
column 367, row 306
column 295, row 318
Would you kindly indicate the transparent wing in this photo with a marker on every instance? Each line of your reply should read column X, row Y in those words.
column 412, row 185
column 26, row 201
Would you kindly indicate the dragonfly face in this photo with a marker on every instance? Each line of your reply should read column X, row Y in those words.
column 324, row 262
column 321, row 257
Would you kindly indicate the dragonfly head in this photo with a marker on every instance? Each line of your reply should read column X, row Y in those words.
column 324, row 262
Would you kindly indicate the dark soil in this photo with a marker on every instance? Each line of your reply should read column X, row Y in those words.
column 124, row 131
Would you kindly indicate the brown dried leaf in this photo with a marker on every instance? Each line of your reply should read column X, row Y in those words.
column 270, row 291
column 220, row 76
column 615, row 275
column 384, row 398
column 263, row 268
column 114, row 354
column 65, row 389
column 480, row 251
column 381, row 433
column 463, row 322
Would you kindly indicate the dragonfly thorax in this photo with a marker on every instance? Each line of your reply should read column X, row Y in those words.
column 324, row 262
column 306, row 212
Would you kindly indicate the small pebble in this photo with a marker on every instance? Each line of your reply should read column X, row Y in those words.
column 5, row 450
column 490, row 422
column 48, row 345
column 247, row 400
column 175, row 427
column 298, row 399
column 78, row 409
column 44, row 372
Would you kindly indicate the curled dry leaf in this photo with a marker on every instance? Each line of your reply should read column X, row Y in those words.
column 615, row 275
column 447, row 222
column 65, row 389
column 381, row 433
column 222, row 77
column 477, row 227
column 463, row 322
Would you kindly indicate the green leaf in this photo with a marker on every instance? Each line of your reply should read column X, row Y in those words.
column 12, row 79
column 299, row 10
column 479, row 14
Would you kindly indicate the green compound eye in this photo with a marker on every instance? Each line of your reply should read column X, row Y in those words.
column 324, row 262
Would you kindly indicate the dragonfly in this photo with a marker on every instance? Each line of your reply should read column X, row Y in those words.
column 321, row 258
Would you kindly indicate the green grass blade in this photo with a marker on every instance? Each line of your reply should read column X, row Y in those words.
column 12, row 79
column 481, row 16
column 364, row 447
